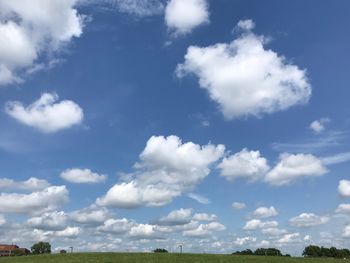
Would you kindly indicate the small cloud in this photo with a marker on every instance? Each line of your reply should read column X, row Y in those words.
column 319, row 126
column 238, row 205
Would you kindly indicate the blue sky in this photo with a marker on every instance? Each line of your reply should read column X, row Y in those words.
column 117, row 115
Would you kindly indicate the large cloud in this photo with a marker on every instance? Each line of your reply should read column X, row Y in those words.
column 344, row 188
column 46, row 114
column 176, row 217
column 82, row 176
column 167, row 168
column 244, row 77
column 182, row 16
column 294, row 166
column 308, row 220
column 49, row 221
column 264, row 212
column 32, row 184
column 29, row 29
column 245, row 164
column 48, row 199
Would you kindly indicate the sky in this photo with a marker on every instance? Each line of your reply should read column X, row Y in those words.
column 128, row 125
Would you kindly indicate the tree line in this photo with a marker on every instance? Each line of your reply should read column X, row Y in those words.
column 333, row 252
column 261, row 252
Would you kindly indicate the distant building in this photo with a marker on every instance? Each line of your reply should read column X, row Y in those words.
column 10, row 250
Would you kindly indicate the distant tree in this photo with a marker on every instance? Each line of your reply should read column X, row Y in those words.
column 273, row 252
column 160, row 250
column 287, row 255
column 62, row 251
column 312, row 251
column 325, row 252
column 246, row 252
column 41, row 248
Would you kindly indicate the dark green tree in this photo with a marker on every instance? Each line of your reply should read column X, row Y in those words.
column 160, row 250
column 312, row 251
column 41, row 248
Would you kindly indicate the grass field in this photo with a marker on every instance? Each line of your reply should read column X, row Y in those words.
column 156, row 258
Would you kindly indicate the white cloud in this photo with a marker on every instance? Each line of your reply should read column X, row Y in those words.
column 343, row 209
column 82, row 176
column 46, row 114
column 90, row 216
column 246, row 25
column 294, row 166
column 49, row 221
column 346, row 231
column 289, row 238
column 167, row 169
column 273, row 231
column 116, row 226
column 243, row 241
column 69, row 232
column 32, row 184
column 215, row 226
column 244, row 164
column 31, row 28
column 199, row 198
column 308, row 220
column 246, row 79
column 48, row 199
column 238, row 205
column 2, row 220
column 182, row 16
column 204, row 217
column 318, row 126
column 307, row 238
column 198, row 232
column 337, row 158
column 144, row 231
column 264, row 212
column 344, row 188
column 255, row 224
column 176, row 217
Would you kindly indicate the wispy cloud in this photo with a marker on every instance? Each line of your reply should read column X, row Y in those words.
column 329, row 139
column 199, row 198
column 337, row 158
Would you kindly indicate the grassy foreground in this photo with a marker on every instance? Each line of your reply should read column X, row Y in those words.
column 156, row 258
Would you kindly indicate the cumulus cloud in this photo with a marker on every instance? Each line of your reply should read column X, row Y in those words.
column 244, row 164
column 243, row 241
column 116, row 226
column 69, row 232
column 49, row 221
column 308, row 220
column 319, row 126
column 204, row 217
column 245, row 78
column 48, row 199
column 82, row 176
column 144, row 231
column 273, row 231
column 346, row 231
column 46, row 114
column 90, row 216
column 343, row 209
column 289, row 238
column 32, row 184
column 182, row 16
column 167, row 168
column 264, row 212
column 204, row 230
column 294, row 166
column 255, row 224
column 344, row 188
column 176, row 217
column 29, row 29
column 238, row 205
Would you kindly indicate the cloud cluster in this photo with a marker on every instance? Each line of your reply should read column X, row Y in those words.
column 308, row 220
column 167, row 168
column 46, row 114
column 244, row 77
column 29, row 29
column 32, row 184
column 48, row 199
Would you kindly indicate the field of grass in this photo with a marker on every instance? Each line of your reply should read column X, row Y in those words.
column 156, row 258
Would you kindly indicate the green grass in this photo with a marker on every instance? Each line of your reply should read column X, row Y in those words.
column 156, row 258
